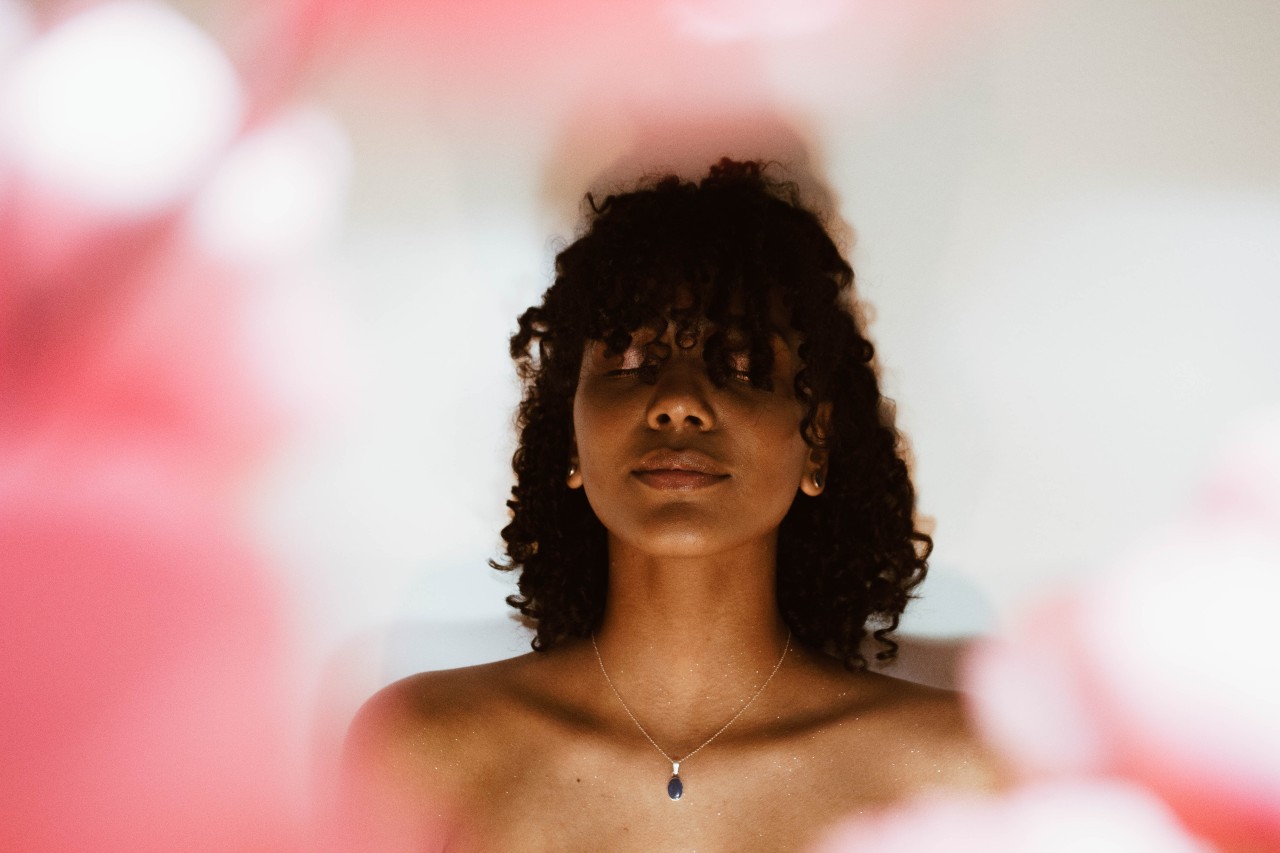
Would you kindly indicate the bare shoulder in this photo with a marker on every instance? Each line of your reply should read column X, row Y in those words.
column 930, row 735
column 429, row 715
column 905, row 738
column 413, row 748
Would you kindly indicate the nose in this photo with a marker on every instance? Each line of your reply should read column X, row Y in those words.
column 680, row 399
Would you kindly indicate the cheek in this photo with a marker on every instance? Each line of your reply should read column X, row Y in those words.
column 781, row 453
column 598, row 438
column 791, row 458
column 596, row 428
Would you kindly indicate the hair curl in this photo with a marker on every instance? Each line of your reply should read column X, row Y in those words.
column 846, row 559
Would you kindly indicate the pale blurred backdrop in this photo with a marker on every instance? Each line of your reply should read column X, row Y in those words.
column 1065, row 215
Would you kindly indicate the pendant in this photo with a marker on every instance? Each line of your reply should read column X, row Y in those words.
column 675, row 788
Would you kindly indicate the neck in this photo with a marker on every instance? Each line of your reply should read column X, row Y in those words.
column 691, row 637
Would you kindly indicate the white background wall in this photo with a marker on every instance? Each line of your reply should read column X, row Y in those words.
column 1067, row 218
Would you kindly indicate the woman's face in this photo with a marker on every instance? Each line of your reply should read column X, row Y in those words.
column 678, row 467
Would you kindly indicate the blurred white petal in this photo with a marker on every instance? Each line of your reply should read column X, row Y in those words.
column 1060, row 817
column 121, row 107
column 1162, row 669
column 1028, row 699
column 278, row 193
column 15, row 28
column 1183, row 643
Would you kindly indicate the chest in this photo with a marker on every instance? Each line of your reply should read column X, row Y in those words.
column 586, row 793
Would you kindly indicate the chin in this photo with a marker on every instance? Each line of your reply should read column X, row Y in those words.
column 684, row 538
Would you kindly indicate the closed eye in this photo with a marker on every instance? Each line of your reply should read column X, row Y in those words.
column 743, row 375
column 740, row 366
column 647, row 369
column 633, row 359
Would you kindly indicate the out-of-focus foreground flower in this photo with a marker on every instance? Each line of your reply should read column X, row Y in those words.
column 1140, row 711
column 1062, row 817
column 145, row 225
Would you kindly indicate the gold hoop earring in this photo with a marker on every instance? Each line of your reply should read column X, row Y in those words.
column 818, row 480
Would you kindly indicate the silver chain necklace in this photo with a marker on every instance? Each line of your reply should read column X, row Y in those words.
column 675, row 787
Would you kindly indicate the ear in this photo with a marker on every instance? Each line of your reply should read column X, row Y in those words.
column 815, row 472
column 573, row 479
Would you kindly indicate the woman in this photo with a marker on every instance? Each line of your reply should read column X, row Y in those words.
column 711, row 509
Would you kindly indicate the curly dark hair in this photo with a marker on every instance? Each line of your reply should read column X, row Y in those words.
column 846, row 559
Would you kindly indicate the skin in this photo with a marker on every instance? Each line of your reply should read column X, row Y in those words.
column 537, row 753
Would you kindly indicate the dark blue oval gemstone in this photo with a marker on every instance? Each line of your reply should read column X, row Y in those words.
column 675, row 788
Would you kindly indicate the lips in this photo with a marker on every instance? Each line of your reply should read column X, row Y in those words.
column 679, row 470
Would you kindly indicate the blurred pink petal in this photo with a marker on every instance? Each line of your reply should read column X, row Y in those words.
column 148, row 703
column 143, row 362
column 1033, row 709
column 144, row 703
column 733, row 20
column 490, row 54
column 1065, row 817
column 144, row 656
column 1163, row 669
column 1194, row 710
